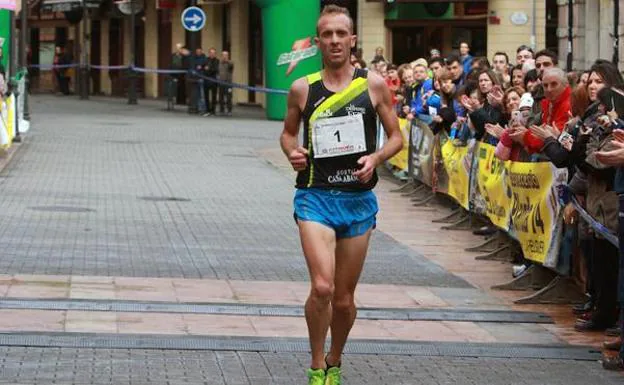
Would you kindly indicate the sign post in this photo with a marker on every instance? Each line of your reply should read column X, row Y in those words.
column 193, row 20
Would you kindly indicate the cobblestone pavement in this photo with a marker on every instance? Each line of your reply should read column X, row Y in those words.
column 103, row 194
column 120, row 366
column 106, row 189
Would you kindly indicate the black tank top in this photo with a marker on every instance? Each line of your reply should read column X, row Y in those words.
column 336, row 172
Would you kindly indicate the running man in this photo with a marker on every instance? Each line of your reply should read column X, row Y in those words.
column 334, row 206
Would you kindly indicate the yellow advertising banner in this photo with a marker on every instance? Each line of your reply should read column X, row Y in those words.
column 7, row 121
column 494, row 191
column 400, row 159
column 458, row 162
column 535, row 206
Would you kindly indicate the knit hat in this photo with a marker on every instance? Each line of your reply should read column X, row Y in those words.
column 526, row 101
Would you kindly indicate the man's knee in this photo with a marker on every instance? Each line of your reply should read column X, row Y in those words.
column 322, row 290
column 343, row 302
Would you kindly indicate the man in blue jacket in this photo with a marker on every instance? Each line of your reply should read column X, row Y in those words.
column 424, row 85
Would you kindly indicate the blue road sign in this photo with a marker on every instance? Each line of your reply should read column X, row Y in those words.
column 193, row 19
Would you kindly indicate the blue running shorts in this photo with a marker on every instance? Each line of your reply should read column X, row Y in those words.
column 349, row 213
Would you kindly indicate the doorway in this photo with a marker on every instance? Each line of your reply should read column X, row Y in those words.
column 408, row 44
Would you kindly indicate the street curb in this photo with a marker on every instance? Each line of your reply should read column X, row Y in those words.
column 6, row 159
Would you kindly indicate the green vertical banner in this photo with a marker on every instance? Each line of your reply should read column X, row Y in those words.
column 289, row 28
column 5, row 37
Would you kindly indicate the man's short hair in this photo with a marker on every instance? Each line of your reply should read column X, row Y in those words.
column 500, row 53
column 549, row 53
column 333, row 9
column 450, row 59
column 558, row 72
column 525, row 47
column 439, row 60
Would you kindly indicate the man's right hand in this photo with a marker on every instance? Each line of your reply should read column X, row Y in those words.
column 298, row 158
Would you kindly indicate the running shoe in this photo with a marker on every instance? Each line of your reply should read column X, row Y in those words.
column 316, row 376
column 333, row 376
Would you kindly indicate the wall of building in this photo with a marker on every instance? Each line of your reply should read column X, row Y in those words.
column 151, row 49
column 506, row 36
column 592, row 29
column 239, row 32
column 372, row 32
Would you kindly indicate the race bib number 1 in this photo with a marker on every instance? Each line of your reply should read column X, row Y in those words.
column 338, row 136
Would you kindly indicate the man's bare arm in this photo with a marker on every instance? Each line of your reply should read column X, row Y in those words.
column 382, row 102
column 289, row 139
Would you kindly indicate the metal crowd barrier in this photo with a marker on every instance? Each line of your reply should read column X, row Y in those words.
column 522, row 200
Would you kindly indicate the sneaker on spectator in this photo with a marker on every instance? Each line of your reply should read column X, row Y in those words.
column 485, row 230
column 613, row 332
column 518, row 270
column 613, row 363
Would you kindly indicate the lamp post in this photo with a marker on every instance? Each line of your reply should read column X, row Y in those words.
column 24, row 56
column 84, row 57
column 132, row 94
column 192, row 79
column 616, row 33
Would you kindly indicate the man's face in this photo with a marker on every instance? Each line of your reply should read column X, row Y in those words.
column 379, row 52
column 335, row 39
column 543, row 62
column 447, row 86
column 456, row 69
column 212, row 53
column 464, row 49
column 198, row 51
column 420, row 73
column 553, row 87
column 435, row 68
column 225, row 55
column 57, row 50
column 408, row 77
column 500, row 64
column 523, row 55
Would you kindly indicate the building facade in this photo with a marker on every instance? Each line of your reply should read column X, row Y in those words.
column 407, row 29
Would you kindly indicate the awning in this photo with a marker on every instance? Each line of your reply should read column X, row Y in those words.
column 8, row 4
column 68, row 5
column 425, row 1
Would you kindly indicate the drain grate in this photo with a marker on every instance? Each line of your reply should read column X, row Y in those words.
column 269, row 344
column 63, row 209
column 456, row 315
column 165, row 199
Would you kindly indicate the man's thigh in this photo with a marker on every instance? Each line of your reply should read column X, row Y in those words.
column 319, row 245
column 350, row 257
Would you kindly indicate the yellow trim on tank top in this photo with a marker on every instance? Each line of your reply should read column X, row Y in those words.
column 340, row 99
column 313, row 78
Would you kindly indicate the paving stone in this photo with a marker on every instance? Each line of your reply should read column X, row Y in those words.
column 106, row 366
column 81, row 197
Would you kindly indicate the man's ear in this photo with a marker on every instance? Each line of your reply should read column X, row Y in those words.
column 353, row 41
column 317, row 41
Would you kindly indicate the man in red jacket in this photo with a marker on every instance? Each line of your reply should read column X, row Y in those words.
column 555, row 109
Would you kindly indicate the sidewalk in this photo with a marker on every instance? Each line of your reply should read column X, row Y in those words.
column 131, row 237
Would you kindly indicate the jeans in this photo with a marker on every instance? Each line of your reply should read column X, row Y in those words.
column 225, row 98
column 210, row 93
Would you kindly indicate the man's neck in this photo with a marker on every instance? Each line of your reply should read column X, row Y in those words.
column 338, row 76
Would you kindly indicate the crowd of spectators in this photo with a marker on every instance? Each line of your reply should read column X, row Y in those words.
column 533, row 111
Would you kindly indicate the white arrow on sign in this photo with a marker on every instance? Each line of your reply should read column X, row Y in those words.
column 194, row 19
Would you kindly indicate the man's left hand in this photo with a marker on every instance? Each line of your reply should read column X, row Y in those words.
column 368, row 163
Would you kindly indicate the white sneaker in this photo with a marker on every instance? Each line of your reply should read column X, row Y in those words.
column 518, row 270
